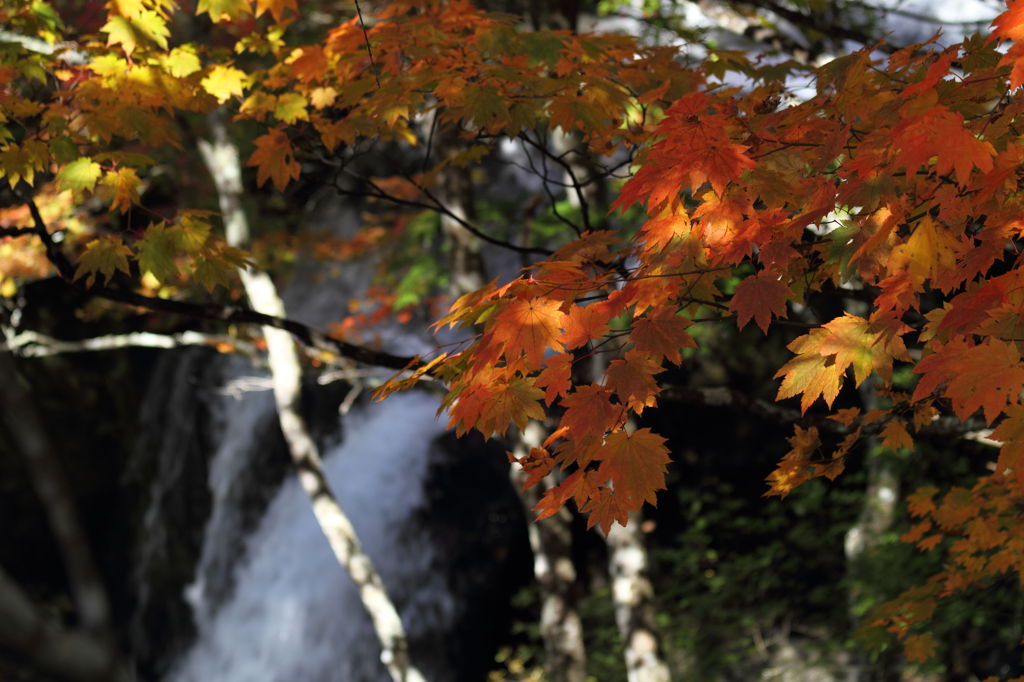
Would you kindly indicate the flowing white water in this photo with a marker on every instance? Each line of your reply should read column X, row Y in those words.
column 294, row 614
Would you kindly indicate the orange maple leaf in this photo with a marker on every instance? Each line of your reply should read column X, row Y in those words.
column 986, row 376
column 514, row 402
column 605, row 507
column 589, row 412
column 1009, row 24
column 662, row 333
column 635, row 464
column 759, row 297
column 795, row 467
column 529, row 326
column 274, row 159
column 584, row 323
column 556, row 378
column 632, row 379
column 1011, row 433
column 895, row 436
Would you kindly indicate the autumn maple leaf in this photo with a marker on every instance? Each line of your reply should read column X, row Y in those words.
column 824, row 354
column 274, row 159
column 985, row 376
column 529, row 326
column 759, row 297
column 635, row 464
column 632, row 379
column 663, row 334
column 589, row 412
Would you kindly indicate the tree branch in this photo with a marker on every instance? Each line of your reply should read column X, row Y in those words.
column 307, row 335
column 222, row 162
column 71, row 655
column 30, row 344
column 815, row 22
column 435, row 205
column 16, row 231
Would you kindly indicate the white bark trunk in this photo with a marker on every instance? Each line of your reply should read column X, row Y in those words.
column 633, row 595
column 221, row 157
column 551, row 542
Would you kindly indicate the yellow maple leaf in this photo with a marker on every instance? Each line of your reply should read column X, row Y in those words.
column 291, row 107
column 128, row 33
column 275, row 7
column 124, row 184
column 20, row 162
column 182, row 61
column 224, row 10
column 224, row 81
column 323, row 97
column 80, row 174
column 928, row 253
column 127, row 8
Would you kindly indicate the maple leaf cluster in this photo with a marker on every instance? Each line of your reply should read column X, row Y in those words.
column 899, row 179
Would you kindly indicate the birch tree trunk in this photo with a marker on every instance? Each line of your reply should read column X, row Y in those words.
column 221, row 158
column 633, row 594
column 551, row 540
column 551, row 543
column 467, row 265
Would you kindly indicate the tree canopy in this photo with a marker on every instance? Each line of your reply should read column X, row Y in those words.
column 891, row 180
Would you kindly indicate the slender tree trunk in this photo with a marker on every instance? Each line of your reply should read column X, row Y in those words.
column 221, row 157
column 91, row 652
column 71, row 655
column 634, row 602
column 50, row 484
column 632, row 590
column 878, row 511
column 551, row 543
column 467, row 264
column 551, row 539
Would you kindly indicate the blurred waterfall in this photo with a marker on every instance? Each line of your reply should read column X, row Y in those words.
column 293, row 613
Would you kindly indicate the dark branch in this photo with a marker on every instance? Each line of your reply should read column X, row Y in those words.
column 818, row 23
column 307, row 335
column 366, row 41
column 16, row 231
column 436, row 204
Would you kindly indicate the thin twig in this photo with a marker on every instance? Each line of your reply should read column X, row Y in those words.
column 366, row 41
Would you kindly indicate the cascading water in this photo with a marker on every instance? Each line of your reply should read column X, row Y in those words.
column 268, row 600
column 293, row 613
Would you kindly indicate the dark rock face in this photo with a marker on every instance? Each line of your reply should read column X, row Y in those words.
column 143, row 442
column 477, row 523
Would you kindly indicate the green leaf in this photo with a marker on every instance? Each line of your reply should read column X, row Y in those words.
column 79, row 175
column 291, row 107
column 212, row 271
column 193, row 232
column 157, row 249
column 103, row 255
